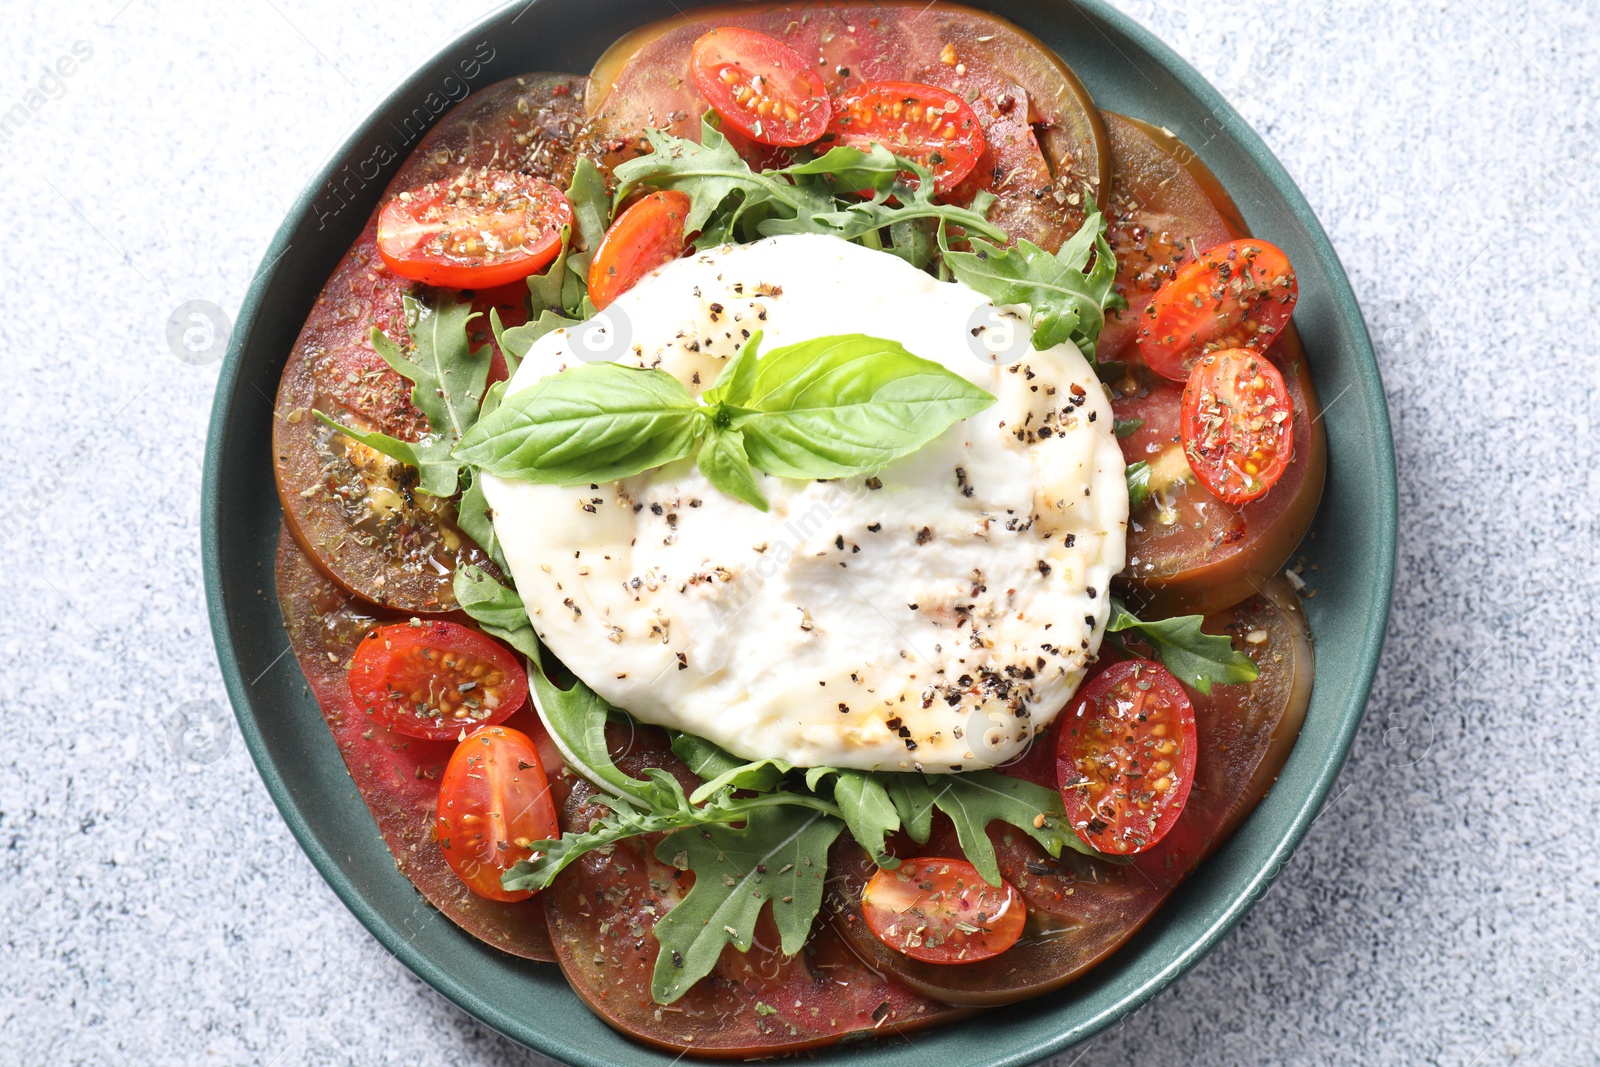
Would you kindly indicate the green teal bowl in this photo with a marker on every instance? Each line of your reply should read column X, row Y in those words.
column 1127, row 70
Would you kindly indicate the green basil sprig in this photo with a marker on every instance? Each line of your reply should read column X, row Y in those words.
column 825, row 408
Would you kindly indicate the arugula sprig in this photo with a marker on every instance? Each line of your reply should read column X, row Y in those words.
column 448, row 377
column 1199, row 660
column 729, row 200
column 1067, row 292
column 830, row 407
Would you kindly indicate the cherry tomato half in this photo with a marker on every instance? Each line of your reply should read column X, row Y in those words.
column 932, row 126
column 1125, row 758
column 942, row 911
column 435, row 679
column 649, row 234
column 760, row 85
column 494, row 802
column 486, row 228
column 1236, row 295
column 1238, row 424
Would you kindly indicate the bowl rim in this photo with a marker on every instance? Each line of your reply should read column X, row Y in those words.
column 1384, row 518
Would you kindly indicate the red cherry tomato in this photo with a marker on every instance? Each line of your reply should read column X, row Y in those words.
column 486, row 228
column 649, row 234
column 435, row 679
column 932, row 126
column 1125, row 758
column 1236, row 295
column 760, row 86
column 1238, row 424
column 494, row 801
column 942, row 911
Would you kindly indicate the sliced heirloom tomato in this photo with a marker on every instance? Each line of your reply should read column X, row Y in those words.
column 435, row 679
column 1125, row 757
column 649, row 234
column 603, row 909
column 355, row 511
column 1239, row 294
column 940, row 910
column 1164, row 204
column 1045, row 140
column 929, row 125
column 760, row 85
column 494, row 802
column 1238, row 424
column 397, row 776
column 1188, row 550
column 1081, row 910
column 482, row 229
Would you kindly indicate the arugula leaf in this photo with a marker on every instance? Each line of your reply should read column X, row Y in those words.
column 447, row 379
column 843, row 405
column 1066, row 296
column 779, row 858
column 710, row 172
column 1199, row 660
column 447, row 375
column 1138, row 483
column 562, row 285
column 437, row 471
column 894, row 199
column 718, row 769
column 975, row 799
column 864, row 803
column 913, row 800
column 1125, row 427
column 596, row 422
column 497, row 608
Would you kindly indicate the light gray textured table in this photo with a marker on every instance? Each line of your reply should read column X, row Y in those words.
column 155, row 910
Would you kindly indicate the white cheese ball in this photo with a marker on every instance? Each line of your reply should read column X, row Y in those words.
column 932, row 617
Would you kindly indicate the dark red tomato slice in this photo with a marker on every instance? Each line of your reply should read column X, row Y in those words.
column 760, row 85
column 435, row 679
column 485, row 228
column 494, row 802
column 1236, row 295
column 649, row 234
column 397, row 776
column 1238, row 424
column 932, row 126
column 1125, row 757
column 942, row 911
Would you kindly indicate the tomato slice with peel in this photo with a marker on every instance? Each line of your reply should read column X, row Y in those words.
column 494, row 802
column 1236, row 295
column 932, row 126
column 484, row 228
column 435, row 679
column 649, row 234
column 760, row 85
column 942, row 911
column 1238, row 424
column 1125, row 757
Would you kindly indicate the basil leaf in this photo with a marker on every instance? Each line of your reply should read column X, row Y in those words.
column 1197, row 659
column 725, row 464
column 1138, row 483
column 778, row 859
column 597, row 422
column 844, row 405
column 1067, row 297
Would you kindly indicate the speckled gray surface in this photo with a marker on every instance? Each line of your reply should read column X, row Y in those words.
column 155, row 910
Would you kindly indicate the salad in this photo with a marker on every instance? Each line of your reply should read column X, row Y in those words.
column 791, row 527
